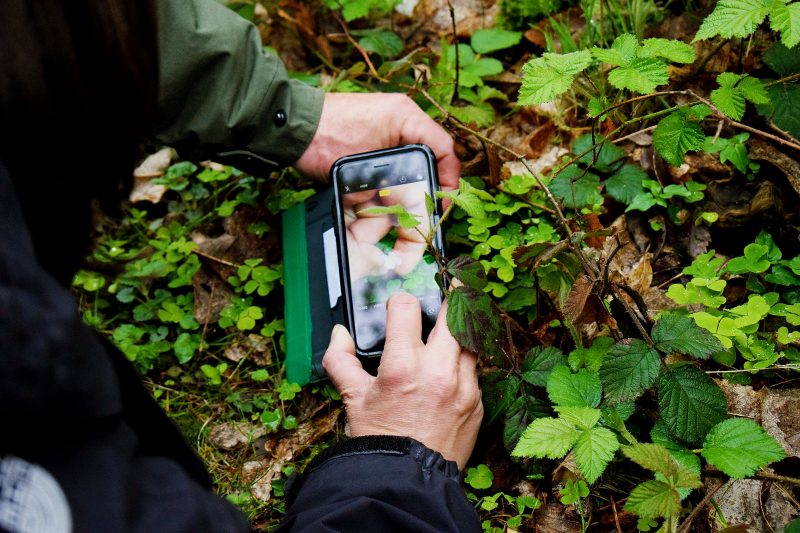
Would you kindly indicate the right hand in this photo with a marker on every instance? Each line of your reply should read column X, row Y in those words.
column 428, row 392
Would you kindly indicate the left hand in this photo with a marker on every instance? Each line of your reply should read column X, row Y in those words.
column 357, row 122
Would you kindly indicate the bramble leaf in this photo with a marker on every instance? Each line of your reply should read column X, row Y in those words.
column 566, row 389
column 785, row 18
column 669, row 49
column 690, row 403
column 675, row 135
column 653, row 499
column 734, row 18
column 733, row 90
column 658, row 458
column 642, row 75
column 583, row 417
column 474, row 321
column 594, row 449
column 630, row 367
column 626, row 184
column 539, row 362
column 675, row 332
column 740, row 447
column 546, row 437
column 544, row 78
column 575, row 189
column 468, row 271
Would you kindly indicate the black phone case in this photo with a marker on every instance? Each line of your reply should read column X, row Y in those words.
column 347, row 307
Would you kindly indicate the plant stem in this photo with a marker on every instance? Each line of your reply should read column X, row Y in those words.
column 455, row 44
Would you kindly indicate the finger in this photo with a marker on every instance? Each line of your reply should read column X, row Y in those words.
column 403, row 328
column 420, row 128
column 467, row 369
column 409, row 255
column 342, row 366
column 441, row 343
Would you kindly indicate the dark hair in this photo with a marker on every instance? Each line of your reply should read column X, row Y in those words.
column 78, row 89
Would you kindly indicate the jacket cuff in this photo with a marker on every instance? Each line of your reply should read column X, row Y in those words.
column 428, row 460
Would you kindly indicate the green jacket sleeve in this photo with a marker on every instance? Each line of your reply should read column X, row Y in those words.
column 221, row 94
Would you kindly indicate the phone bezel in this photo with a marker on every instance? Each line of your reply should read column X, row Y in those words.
column 336, row 173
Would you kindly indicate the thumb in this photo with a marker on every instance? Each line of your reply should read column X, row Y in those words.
column 342, row 365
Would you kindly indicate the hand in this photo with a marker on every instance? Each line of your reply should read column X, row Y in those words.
column 425, row 391
column 357, row 122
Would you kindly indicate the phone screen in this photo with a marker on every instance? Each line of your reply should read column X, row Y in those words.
column 384, row 257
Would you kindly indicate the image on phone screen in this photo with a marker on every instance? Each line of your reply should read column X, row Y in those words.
column 384, row 257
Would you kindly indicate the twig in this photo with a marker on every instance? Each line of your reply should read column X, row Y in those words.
column 616, row 518
column 785, row 79
column 773, row 367
column 700, row 506
column 703, row 62
column 215, row 259
column 360, row 49
column 636, row 322
column 455, row 43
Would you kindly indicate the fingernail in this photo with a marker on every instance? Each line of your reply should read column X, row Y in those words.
column 337, row 332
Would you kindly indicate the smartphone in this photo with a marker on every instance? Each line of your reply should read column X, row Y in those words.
column 377, row 255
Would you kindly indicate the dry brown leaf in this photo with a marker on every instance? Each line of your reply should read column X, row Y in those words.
column 152, row 167
column 230, row 435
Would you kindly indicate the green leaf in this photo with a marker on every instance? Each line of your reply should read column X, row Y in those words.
column 734, row 18
column 604, row 155
column 623, row 51
column 785, row 18
column 658, row 458
column 486, row 41
column 539, row 362
column 675, row 135
column 594, row 449
column 499, row 392
column 740, row 447
column 653, row 499
column 566, row 389
column 518, row 415
column 583, row 191
column 704, row 266
column 733, row 90
column 630, row 368
column 642, row 75
column 546, row 437
column 479, row 477
column 783, row 61
column 404, row 218
column 626, row 184
column 259, row 375
column 574, row 491
column 590, row 358
column 669, row 49
column 676, row 332
column 583, row 417
column 544, row 78
column 784, row 107
column 690, row 403
column 468, row 271
column 186, row 345
column 474, row 321
column 383, row 42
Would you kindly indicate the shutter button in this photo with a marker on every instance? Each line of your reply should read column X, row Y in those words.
column 280, row 117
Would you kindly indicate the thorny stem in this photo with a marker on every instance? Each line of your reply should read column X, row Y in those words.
column 636, row 322
column 455, row 44
column 700, row 506
column 785, row 79
column 358, row 47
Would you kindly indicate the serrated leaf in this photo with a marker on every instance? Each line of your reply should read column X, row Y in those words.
column 642, row 75
column 784, row 107
column 626, row 184
column 474, row 321
column 519, row 415
column 623, row 51
column 675, row 332
column 594, row 449
column 499, row 391
column 783, row 61
column 653, row 457
column 653, row 499
column 669, row 49
column 581, row 389
column 583, row 417
column 733, row 90
column 734, row 18
column 539, row 362
column 729, row 100
column 590, row 358
column 544, row 78
column 383, row 42
column 630, row 367
column 675, row 135
column 785, row 18
column 740, row 447
column 468, row 271
column 546, row 437
column 485, row 41
column 690, row 403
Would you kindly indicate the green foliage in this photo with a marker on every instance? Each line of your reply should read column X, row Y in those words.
column 479, row 477
column 568, row 389
column 734, row 89
column 574, row 491
column 547, row 77
column 676, row 135
column 740, row 18
column 486, row 41
column 630, row 368
column 675, row 332
column 690, row 403
column 356, row 9
column 473, row 321
column 740, row 447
